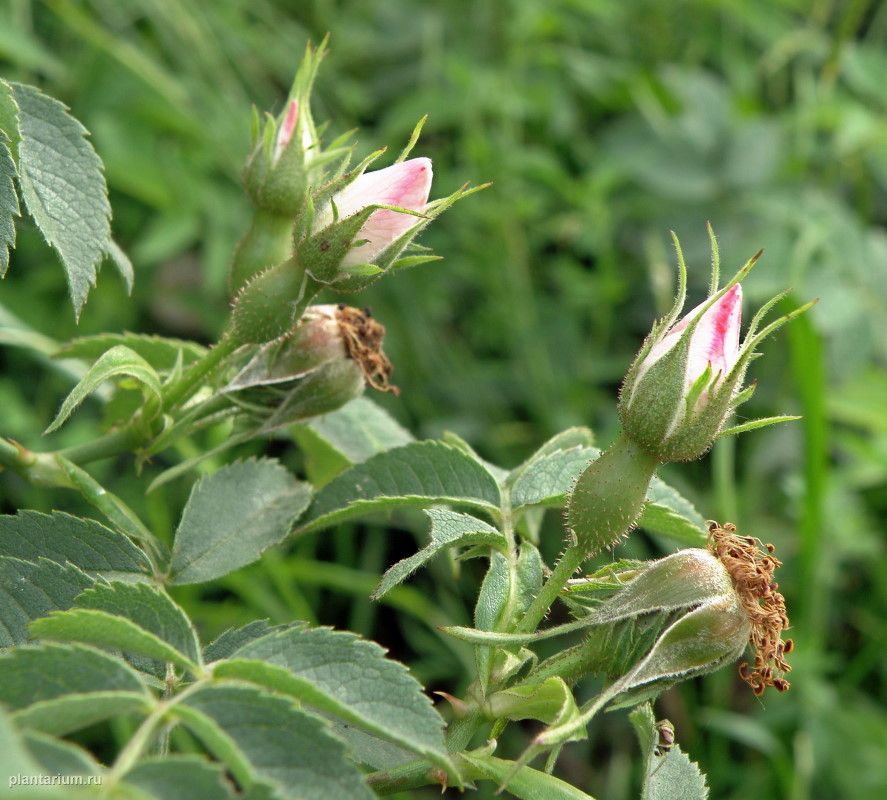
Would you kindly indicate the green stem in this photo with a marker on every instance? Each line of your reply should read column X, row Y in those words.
column 569, row 562
column 182, row 390
column 404, row 777
column 460, row 731
column 52, row 470
column 121, row 440
column 144, row 735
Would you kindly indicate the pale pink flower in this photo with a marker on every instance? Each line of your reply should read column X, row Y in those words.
column 406, row 185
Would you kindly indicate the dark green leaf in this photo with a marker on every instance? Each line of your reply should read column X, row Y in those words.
column 40, row 673
column 491, row 609
column 63, row 187
column 448, row 529
column 9, row 207
column 352, row 434
column 234, row 638
column 347, row 677
column 547, row 479
column 31, row 590
column 261, row 735
column 9, row 138
column 418, row 474
column 565, row 440
column 180, row 777
column 526, row 783
column 117, row 362
column 72, row 712
column 9, row 115
column 134, row 617
column 233, row 516
column 371, row 750
column 87, row 544
column 458, row 442
column 58, row 757
column 529, row 576
column 159, row 352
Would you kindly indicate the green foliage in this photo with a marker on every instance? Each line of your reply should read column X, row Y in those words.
column 30, row 589
column 668, row 773
column 344, row 676
column 527, row 783
column 420, row 474
column 82, row 543
column 233, row 516
column 73, row 214
column 448, row 529
column 117, row 361
column 602, row 126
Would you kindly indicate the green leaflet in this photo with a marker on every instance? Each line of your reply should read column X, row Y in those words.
column 161, row 353
column 58, row 757
column 547, row 479
column 31, row 590
column 85, row 543
column 233, row 516
column 63, row 187
column 44, row 672
column 133, row 617
column 9, row 205
column 263, row 736
column 526, row 783
column 346, row 677
column 417, row 474
column 668, row 513
column 448, row 529
column 14, row 756
column 116, row 362
column 180, row 777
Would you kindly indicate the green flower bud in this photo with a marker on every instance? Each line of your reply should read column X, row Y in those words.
column 687, row 379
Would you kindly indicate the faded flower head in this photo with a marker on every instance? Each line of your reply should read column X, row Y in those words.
column 325, row 361
column 752, row 574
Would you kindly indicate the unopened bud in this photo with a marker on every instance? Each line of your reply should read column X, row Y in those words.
column 687, row 379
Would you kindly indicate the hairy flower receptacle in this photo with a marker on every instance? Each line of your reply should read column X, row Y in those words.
column 609, row 496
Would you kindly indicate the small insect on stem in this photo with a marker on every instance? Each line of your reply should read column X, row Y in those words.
column 665, row 742
column 665, row 732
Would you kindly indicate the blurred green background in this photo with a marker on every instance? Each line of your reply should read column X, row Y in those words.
column 602, row 125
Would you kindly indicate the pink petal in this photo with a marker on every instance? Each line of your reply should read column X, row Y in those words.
column 286, row 130
column 716, row 338
column 406, row 185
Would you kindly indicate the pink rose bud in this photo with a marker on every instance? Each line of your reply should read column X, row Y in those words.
column 405, row 185
column 687, row 378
